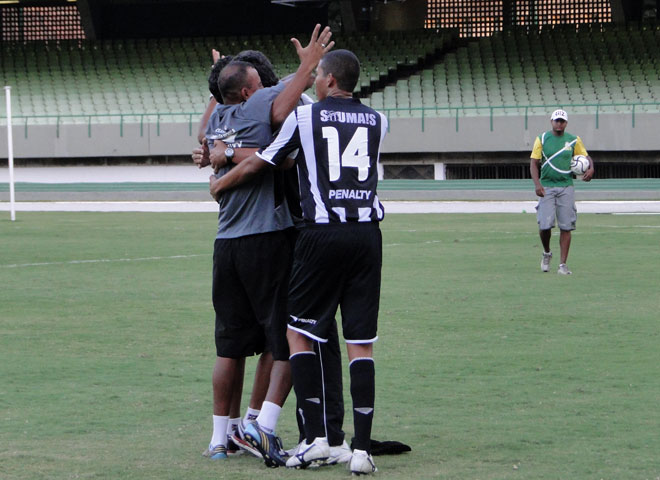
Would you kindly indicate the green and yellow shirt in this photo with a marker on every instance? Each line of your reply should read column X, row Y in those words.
column 555, row 154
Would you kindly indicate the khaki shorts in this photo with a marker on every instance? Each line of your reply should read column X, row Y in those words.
column 558, row 202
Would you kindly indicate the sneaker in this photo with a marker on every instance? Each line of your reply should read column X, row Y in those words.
column 563, row 269
column 545, row 261
column 219, row 452
column 361, row 463
column 268, row 444
column 292, row 451
column 232, row 448
column 339, row 454
column 239, row 440
column 313, row 455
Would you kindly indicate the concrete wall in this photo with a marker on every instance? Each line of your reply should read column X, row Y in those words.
column 474, row 134
column 614, row 132
column 100, row 140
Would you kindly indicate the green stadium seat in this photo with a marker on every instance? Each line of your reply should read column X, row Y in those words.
column 511, row 68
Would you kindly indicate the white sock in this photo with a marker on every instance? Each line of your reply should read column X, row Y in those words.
column 219, row 430
column 270, row 413
column 232, row 426
column 250, row 415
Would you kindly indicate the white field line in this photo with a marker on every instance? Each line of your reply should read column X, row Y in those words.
column 114, row 174
column 391, row 207
column 628, row 226
column 637, row 213
column 115, row 206
column 101, row 260
column 174, row 257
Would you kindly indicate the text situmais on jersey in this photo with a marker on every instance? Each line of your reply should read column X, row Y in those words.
column 341, row 140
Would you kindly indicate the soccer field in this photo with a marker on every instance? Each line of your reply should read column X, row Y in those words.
column 486, row 367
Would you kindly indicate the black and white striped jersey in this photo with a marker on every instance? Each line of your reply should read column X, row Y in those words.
column 341, row 140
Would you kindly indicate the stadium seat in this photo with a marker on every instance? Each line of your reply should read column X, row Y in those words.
column 606, row 64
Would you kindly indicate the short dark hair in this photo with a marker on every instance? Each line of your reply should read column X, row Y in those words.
column 261, row 64
column 344, row 66
column 232, row 78
column 215, row 73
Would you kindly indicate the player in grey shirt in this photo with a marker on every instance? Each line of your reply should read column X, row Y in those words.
column 255, row 207
column 340, row 452
column 252, row 250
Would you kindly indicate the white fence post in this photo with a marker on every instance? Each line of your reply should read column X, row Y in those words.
column 10, row 154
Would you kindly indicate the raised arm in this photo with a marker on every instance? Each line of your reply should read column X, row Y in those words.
column 201, row 130
column 310, row 56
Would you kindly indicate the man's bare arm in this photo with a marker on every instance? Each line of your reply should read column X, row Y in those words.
column 217, row 155
column 534, row 167
column 201, row 130
column 248, row 169
column 310, row 56
column 588, row 175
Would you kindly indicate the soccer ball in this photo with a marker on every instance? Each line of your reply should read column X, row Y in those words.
column 579, row 165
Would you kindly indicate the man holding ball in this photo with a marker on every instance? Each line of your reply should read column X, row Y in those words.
column 550, row 168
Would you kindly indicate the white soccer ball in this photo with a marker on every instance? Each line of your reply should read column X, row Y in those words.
column 579, row 165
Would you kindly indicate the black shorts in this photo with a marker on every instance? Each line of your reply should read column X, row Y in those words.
column 337, row 265
column 250, row 283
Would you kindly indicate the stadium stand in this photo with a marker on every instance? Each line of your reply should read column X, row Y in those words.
column 408, row 74
column 459, row 94
column 404, row 73
column 514, row 71
column 74, row 79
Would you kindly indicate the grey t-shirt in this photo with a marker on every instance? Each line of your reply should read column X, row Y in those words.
column 257, row 206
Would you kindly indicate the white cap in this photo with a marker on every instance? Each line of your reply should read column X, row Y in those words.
column 559, row 114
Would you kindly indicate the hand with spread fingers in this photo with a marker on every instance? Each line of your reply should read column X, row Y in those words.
column 310, row 56
column 319, row 45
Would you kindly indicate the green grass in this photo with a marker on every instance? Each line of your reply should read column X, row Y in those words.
column 488, row 368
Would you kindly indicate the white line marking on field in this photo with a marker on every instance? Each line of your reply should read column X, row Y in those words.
column 101, row 260
column 636, row 213
column 628, row 226
column 428, row 242
column 391, row 207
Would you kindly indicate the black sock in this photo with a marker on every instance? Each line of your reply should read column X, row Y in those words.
column 363, row 386
column 305, row 371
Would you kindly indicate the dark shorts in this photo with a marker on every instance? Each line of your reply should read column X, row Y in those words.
column 250, row 284
column 337, row 265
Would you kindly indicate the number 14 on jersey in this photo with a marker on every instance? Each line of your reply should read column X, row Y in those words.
column 356, row 154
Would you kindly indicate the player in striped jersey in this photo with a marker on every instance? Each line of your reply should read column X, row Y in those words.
column 251, row 237
column 338, row 256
